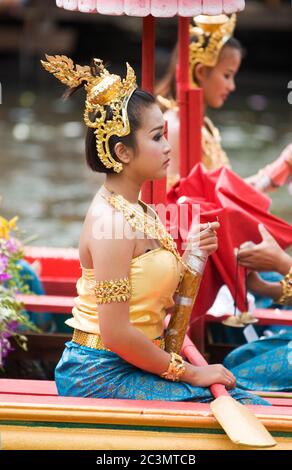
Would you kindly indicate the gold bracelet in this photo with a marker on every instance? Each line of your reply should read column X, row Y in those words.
column 175, row 369
column 118, row 290
column 286, row 283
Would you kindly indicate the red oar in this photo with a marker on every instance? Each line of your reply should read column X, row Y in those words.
column 239, row 423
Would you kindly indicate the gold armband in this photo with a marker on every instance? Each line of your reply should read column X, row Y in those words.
column 175, row 369
column 118, row 290
column 286, row 296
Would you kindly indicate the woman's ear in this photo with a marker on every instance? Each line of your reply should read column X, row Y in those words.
column 122, row 152
column 200, row 73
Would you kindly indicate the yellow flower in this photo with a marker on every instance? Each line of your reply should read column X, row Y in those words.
column 6, row 226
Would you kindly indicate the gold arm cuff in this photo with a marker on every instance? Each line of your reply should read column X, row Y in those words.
column 286, row 283
column 118, row 290
column 175, row 369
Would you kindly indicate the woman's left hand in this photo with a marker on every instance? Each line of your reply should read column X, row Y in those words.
column 266, row 256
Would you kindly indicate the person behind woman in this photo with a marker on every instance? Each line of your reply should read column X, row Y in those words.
column 274, row 284
column 130, row 265
column 266, row 364
column 215, row 58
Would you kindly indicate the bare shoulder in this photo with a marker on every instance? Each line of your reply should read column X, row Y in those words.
column 110, row 240
column 104, row 217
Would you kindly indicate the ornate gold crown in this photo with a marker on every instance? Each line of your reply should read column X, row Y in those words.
column 103, row 93
column 207, row 38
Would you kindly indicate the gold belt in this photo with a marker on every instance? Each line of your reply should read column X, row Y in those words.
column 94, row 341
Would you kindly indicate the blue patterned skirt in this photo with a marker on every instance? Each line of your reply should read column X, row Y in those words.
column 265, row 364
column 87, row 372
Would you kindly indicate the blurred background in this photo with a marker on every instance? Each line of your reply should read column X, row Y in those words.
column 43, row 176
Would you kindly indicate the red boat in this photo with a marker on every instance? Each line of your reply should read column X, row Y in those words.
column 33, row 416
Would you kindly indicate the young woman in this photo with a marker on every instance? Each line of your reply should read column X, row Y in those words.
column 266, row 364
column 130, row 265
column 215, row 58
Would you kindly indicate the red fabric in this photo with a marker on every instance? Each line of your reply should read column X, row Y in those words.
column 239, row 208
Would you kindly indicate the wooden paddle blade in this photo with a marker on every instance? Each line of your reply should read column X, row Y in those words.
column 240, row 425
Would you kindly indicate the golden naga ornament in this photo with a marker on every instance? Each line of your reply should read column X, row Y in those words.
column 207, row 38
column 107, row 97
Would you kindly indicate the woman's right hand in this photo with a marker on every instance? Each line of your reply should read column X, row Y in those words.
column 208, row 240
column 204, row 236
column 206, row 376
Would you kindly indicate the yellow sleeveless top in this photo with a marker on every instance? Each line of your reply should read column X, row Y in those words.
column 154, row 277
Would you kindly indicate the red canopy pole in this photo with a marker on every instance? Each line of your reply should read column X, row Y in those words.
column 190, row 106
column 148, row 73
column 195, row 123
column 190, row 103
column 182, row 91
column 152, row 191
column 148, row 53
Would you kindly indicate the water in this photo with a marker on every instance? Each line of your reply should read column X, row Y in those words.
column 44, row 179
column 253, row 139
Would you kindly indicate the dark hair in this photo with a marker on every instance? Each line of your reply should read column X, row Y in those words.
column 166, row 87
column 234, row 44
column 139, row 100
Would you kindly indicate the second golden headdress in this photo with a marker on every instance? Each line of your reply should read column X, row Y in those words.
column 102, row 92
column 207, row 38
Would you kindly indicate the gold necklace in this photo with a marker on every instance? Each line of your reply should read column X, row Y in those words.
column 153, row 228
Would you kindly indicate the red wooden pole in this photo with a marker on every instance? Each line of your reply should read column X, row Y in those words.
column 148, row 67
column 152, row 191
column 190, row 106
column 195, row 122
column 148, row 53
column 182, row 91
column 190, row 103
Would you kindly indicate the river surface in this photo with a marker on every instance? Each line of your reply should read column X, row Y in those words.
column 44, row 179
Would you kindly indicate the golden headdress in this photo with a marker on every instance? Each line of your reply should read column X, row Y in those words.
column 207, row 38
column 102, row 92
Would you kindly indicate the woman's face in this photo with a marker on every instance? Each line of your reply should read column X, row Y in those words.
column 218, row 82
column 151, row 157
